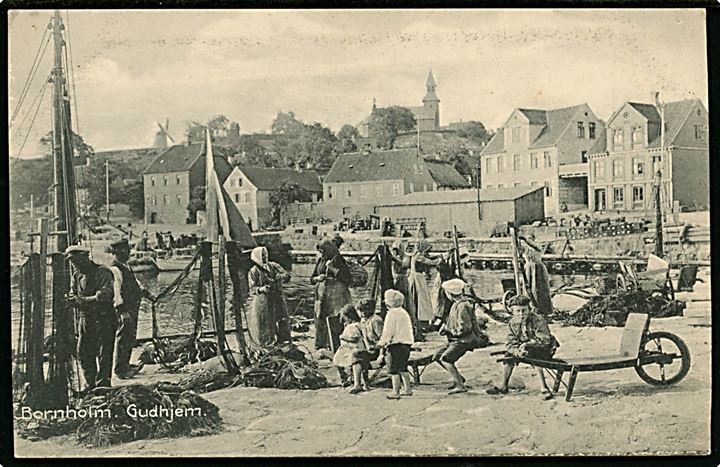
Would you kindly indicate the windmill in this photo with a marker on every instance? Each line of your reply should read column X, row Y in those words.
column 161, row 137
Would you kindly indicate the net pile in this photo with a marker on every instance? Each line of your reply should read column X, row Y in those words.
column 135, row 412
column 613, row 309
column 178, row 352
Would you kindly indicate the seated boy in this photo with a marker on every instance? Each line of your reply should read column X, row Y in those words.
column 529, row 337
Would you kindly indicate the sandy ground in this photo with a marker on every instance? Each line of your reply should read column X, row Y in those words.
column 611, row 412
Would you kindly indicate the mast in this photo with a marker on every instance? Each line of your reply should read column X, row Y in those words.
column 107, row 189
column 63, row 170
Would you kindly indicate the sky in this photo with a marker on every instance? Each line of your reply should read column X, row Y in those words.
column 134, row 68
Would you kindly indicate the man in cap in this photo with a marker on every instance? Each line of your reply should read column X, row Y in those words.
column 462, row 331
column 91, row 292
column 530, row 337
column 128, row 293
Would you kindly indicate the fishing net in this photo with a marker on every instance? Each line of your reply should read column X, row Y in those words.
column 129, row 413
column 613, row 309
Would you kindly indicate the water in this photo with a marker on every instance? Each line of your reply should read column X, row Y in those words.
column 175, row 312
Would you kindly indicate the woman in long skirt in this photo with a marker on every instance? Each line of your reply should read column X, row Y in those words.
column 268, row 322
column 401, row 266
column 331, row 278
column 538, row 281
column 419, row 304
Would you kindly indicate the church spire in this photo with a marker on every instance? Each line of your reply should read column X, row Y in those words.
column 430, row 85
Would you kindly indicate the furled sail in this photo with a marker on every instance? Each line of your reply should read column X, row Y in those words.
column 222, row 214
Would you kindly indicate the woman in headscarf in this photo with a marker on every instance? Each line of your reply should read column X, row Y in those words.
column 538, row 281
column 331, row 278
column 268, row 322
column 419, row 304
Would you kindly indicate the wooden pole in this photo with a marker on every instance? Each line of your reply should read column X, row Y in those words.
column 456, row 244
column 519, row 285
column 220, row 324
column 44, row 229
column 107, row 190
column 658, row 218
column 58, row 81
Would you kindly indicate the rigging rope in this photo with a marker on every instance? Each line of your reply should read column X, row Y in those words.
column 72, row 69
column 32, row 122
column 31, row 75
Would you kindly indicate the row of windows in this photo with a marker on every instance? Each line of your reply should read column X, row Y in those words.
column 619, row 137
column 245, row 199
column 166, row 180
column 153, row 200
column 618, row 167
column 498, row 163
column 581, row 130
column 618, row 200
column 362, row 191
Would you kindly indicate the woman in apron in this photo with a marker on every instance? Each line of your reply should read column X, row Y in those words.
column 268, row 322
column 331, row 278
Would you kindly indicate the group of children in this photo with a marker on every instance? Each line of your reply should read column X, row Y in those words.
column 371, row 338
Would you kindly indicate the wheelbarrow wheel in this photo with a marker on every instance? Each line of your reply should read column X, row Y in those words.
column 667, row 372
column 507, row 296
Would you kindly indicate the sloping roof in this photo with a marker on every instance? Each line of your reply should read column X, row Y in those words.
column 647, row 110
column 496, row 144
column 600, row 145
column 536, row 116
column 269, row 179
column 445, row 174
column 557, row 121
column 178, row 158
column 676, row 113
column 463, row 196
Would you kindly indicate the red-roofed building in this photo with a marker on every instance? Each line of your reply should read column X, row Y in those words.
column 546, row 148
column 623, row 165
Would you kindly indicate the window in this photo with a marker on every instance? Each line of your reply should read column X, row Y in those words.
column 501, row 185
column 581, row 130
column 517, row 184
column 500, row 164
column 239, row 182
column 177, row 179
column 657, row 164
column 547, row 160
column 152, row 181
column 487, row 165
column 617, row 168
column 362, row 192
column 237, row 197
column 425, row 187
column 516, row 135
column 548, row 188
column 331, row 192
column 638, row 195
column 637, row 135
column 534, row 162
column 165, row 200
column 247, row 198
column 699, row 132
column 378, row 191
column 348, row 192
column 179, row 199
column 412, row 187
column 638, row 166
column 618, row 137
column 591, row 130
column 583, row 156
column 165, row 181
column 600, row 170
column 533, row 183
column 154, row 200
column 516, row 162
column 618, row 197
column 396, row 189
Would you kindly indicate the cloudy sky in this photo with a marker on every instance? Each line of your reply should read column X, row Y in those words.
column 135, row 68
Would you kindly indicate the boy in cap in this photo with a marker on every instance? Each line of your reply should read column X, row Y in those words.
column 91, row 293
column 128, row 293
column 396, row 339
column 530, row 337
column 462, row 331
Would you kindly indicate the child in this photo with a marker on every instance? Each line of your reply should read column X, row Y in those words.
column 396, row 339
column 373, row 327
column 352, row 343
column 529, row 337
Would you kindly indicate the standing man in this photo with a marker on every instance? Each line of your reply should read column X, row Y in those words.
column 128, row 293
column 91, row 292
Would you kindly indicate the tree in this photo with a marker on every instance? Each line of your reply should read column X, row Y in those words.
column 288, row 192
column 303, row 144
column 81, row 149
column 30, row 177
column 347, row 136
column 132, row 195
column 475, row 132
column 387, row 123
column 286, row 124
column 197, row 203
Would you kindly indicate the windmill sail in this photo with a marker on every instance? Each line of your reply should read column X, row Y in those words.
column 221, row 213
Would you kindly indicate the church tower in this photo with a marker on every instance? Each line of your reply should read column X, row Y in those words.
column 431, row 103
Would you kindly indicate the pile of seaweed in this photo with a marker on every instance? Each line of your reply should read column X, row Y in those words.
column 129, row 413
column 613, row 309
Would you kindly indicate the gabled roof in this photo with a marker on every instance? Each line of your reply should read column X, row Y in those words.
column 179, row 158
column 496, row 143
column 676, row 113
column 646, row 110
column 463, row 196
column 269, row 179
column 389, row 165
column 600, row 145
column 445, row 174
column 536, row 116
column 557, row 121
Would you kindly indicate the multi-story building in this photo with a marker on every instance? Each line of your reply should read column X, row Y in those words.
column 170, row 179
column 623, row 166
column 250, row 189
column 547, row 148
column 358, row 182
